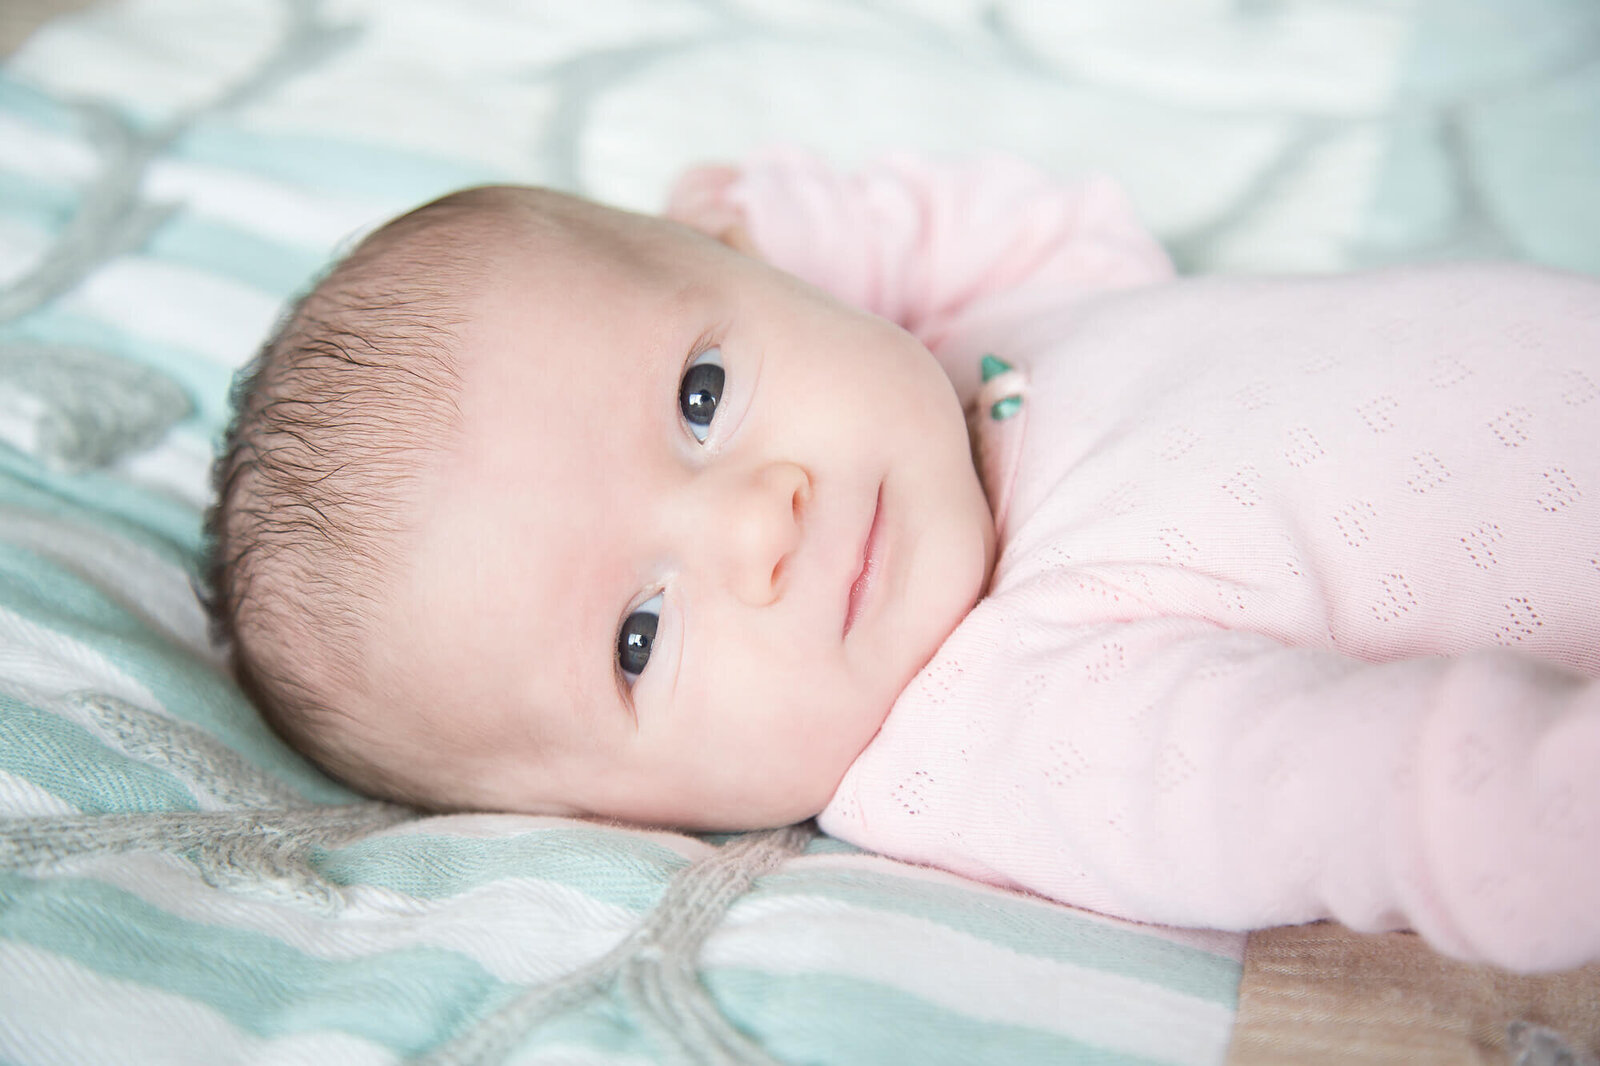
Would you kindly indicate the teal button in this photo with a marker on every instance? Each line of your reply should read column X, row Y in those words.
column 1001, row 410
column 992, row 367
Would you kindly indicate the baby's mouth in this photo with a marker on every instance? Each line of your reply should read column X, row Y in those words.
column 866, row 578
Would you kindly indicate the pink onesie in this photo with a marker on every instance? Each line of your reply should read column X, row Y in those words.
column 1297, row 607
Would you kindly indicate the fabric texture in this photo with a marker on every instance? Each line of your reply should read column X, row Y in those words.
column 1294, row 611
column 171, row 171
column 176, row 885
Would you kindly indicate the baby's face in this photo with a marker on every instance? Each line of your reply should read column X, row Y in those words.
column 703, row 526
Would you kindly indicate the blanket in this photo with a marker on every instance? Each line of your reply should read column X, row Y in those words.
column 176, row 885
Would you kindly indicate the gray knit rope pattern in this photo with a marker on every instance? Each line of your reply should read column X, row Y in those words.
column 47, row 839
column 84, row 408
column 214, row 773
column 113, row 217
column 266, row 852
column 654, row 969
column 261, row 853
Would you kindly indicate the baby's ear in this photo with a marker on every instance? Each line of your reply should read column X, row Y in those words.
column 699, row 200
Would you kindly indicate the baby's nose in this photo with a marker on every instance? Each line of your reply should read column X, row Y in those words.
column 761, row 530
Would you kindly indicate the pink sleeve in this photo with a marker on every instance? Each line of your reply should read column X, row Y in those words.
column 1170, row 771
column 918, row 243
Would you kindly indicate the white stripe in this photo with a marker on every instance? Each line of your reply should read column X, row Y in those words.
column 1212, row 941
column 39, row 153
column 151, row 56
column 144, row 582
column 318, row 221
column 315, row 1049
column 24, row 799
column 521, row 930
column 173, row 304
column 971, row 976
column 576, row 1055
column 179, row 465
column 506, row 826
column 58, row 1012
column 38, row 665
column 21, row 246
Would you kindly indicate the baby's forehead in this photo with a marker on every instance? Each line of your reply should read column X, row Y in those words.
column 599, row 269
column 588, row 307
column 573, row 228
column 594, row 318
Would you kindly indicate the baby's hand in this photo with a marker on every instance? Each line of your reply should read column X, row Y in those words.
column 699, row 201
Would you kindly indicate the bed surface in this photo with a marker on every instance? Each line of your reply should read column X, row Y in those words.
column 175, row 885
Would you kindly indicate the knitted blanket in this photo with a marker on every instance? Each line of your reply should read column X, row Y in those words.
column 176, row 885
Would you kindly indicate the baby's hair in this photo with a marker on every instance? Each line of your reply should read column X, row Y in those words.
column 335, row 420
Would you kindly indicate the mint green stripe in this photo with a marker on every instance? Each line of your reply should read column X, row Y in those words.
column 629, row 871
column 163, row 524
column 603, row 1024
column 44, row 591
column 822, row 844
column 204, row 379
column 1536, row 164
column 188, row 240
column 187, row 688
column 69, row 762
column 34, row 106
column 155, row 522
column 614, row 867
column 278, row 269
column 1531, row 147
column 371, row 173
column 1022, row 926
column 408, row 999
column 45, row 205
column 820, row 1018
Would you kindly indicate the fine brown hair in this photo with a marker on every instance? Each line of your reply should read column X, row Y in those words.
column 335, row 420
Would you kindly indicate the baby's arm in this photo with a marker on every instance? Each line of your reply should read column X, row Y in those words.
column 919, row 243
column 1171, row 771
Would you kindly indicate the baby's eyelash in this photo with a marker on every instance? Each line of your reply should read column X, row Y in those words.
column 700, row 393
column 636, row 639
column 638, row 632
column 711, row 338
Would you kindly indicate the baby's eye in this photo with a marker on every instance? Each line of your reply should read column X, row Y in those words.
column 701, row 391
column 637, row 635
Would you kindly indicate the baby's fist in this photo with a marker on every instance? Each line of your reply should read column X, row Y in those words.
column 699, row 200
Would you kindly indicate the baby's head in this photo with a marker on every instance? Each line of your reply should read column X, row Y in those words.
column 537, row 505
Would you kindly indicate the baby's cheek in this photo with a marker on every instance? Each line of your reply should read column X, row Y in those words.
column 859, row 711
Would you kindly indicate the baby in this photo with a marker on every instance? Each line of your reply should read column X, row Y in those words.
column 1217, row 602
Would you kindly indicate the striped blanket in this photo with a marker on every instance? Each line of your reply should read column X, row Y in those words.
column 177, row 886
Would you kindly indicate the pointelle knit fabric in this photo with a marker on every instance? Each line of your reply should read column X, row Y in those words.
column 1297, row 606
